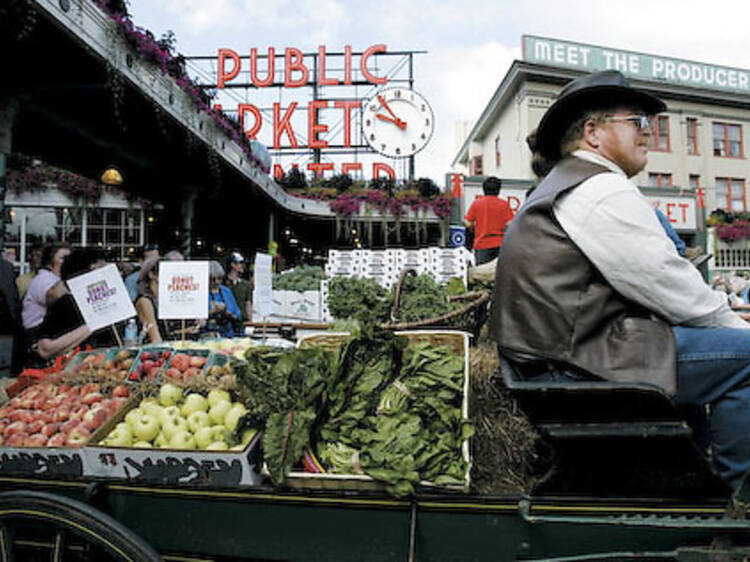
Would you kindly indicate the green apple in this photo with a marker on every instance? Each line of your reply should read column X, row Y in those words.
column 142, row 445
column 247, row 436
column 131, row 418
column 237, row 448
column 217, row 446
column 199, row 419
column 216, row 396
column 219, row 411
column 169, row 412
column 169, row 394
column 151, row 407
column 233, row 415
column 146, row 427
column 172, row 425
column 121, row 435
column 194, row 403
column 161, row 441
column 204, row 436
column 182, row 439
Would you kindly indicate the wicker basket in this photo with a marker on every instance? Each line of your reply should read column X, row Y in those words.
column 470, row 316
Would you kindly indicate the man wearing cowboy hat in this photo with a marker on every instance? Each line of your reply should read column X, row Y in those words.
column 591, row 285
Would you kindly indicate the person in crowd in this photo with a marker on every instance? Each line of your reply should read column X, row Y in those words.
column 488, row 216
column 35, row 262
column 174, row 255
column 588, row 240
column 241, row 288
column 131, row 281
column 63, row 326
column 147, row 303
column 45, row 288
column 12, row 341
column 224, row 316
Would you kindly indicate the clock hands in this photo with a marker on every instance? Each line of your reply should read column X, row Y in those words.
column 399, row 123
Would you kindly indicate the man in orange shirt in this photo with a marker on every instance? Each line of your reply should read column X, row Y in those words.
column 489, row 216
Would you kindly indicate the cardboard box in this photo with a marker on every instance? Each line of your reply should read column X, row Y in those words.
column 459, row 341
column 225, row 469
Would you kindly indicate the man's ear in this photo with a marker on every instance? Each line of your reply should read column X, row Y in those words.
column 591, row 134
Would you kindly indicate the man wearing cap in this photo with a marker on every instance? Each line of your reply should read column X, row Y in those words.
column 241, row 288
column 588, row 278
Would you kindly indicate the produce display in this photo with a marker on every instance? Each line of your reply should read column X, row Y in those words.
column 181, row 419
column 183, row 367
column 149, row 364
column 235, row 347
column 421, row 297
column 374, row 407
column 358, row 298
column 302, row 278
column 106, row 365
column 58, row 415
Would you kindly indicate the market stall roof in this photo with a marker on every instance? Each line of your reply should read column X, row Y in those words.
column 87, row 100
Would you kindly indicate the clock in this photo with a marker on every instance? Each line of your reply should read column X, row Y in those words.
column 397, row 122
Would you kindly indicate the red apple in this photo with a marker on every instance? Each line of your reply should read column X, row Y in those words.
column 16, row 440
column 78, row 436
column 191, row 372
column 15, row 427
column 61, row 415
column 197, row 361
column 36, row 440
column 95, row 418
column 121, row 391
column 153, row 371
column 57, row 440
column 89, row 388
column 92, row 397
column 34, row 426
column 69, row 425
column 173, row 373
column 51, row 428
column 17, row 415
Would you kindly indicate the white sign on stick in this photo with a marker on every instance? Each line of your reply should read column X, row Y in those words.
column 183, row 290
column 263, row 291
column 101, row 297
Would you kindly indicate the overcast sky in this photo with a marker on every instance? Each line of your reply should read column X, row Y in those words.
column 470, row 44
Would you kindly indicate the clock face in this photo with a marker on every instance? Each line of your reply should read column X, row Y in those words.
column 397, row 122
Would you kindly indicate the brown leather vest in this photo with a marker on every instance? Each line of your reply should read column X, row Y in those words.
column 550, row 302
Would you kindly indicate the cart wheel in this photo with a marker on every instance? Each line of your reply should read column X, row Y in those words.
column 72, row 530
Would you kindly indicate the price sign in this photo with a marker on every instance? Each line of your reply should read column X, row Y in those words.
column 263, row 291
column 101, row 297
column 183, row 289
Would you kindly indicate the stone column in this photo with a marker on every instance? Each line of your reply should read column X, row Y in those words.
column 189, row 194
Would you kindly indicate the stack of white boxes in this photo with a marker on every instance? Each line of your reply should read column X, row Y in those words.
column 447, row 263
column 385, row 266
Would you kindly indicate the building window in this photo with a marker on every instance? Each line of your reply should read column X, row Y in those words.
column 692, row 136
column 659, row 179
column 476, row 166
column 730, row 194
column 694, row 181
column 727, row 140
column 497, row 151
column 659, row 133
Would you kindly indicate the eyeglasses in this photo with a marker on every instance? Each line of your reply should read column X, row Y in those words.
column 641, row 122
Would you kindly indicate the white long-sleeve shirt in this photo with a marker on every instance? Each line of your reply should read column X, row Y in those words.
column 615, row 227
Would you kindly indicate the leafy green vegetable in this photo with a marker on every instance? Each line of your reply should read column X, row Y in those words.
column 455, row 287
column 302, row 278
column 284, row 440
column 358, row 298
column 421, row 297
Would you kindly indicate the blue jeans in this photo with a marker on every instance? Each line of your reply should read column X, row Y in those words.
column 713, row 367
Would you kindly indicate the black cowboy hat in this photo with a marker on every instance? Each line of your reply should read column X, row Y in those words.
column 606, row 89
